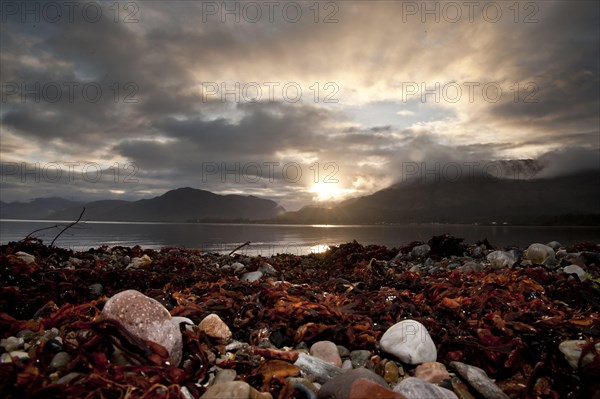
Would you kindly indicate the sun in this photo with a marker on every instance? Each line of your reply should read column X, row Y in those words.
column 325, row 192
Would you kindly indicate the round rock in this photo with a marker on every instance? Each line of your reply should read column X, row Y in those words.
column 538, row 253
column 214, row 327
column 410, row 342
column 145, row 318
column 327, row 351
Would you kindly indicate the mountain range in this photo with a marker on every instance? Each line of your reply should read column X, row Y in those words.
column 566, row 200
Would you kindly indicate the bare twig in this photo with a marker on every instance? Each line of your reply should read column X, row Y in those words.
column 68, row 227
column 239, row 246
column 43, row 228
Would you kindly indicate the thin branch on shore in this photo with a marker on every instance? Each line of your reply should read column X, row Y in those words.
column 68, row 226
column 43, row 228
column 239, row 247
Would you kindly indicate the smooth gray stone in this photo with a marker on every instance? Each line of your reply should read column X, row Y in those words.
column 420, row 251
column 223, row 376
column 60, row 361
column 343, row 351
column 237, row 267
column 415, row 388
column 321, row 370
column 479, row 380
column 267, row 269
column 360, row 358
column 251, row 276
column 500, row 259
column 574, row 269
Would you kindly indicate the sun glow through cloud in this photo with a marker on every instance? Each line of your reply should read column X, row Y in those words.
column 329, row 192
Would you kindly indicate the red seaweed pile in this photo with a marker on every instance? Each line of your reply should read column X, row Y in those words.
column 508, row 321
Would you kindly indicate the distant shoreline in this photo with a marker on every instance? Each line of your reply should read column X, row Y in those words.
column 287, row 223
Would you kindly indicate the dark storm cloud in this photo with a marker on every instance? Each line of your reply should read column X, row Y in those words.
column 171, row 129
column 559, row 55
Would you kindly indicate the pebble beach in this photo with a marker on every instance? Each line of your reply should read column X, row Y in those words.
column 436, row 319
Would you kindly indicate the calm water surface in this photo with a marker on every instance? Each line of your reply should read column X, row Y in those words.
column 272, row 239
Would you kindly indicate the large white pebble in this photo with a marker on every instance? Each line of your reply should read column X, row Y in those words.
column 410, row 342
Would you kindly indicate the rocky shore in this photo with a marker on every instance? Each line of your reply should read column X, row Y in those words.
column 441, row 319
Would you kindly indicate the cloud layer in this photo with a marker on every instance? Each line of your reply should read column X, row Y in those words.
column 347, row 95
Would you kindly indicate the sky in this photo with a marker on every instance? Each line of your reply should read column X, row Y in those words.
column 302, row 102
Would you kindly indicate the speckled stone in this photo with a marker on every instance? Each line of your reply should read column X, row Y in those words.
column 145, row 318
column 214, row 327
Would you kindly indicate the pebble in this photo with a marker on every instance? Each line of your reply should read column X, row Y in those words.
column 555, row 245
column 574, row 269
column 538, row 253
column 12, row 343
column 137, row 263
column 234, row 389
column 410, row 342
column 343, row 351
column 500, row 259
column 235, row 345
column 416, row 388
column 186, row 393
column 572, row 351
column 224, row 375
column 251, row 276
column 561, row 253
column 54, row 345
column 145, row 318
column 347, row 365
column 96, row 289
column 360, row 358
column 304, row 382
column 479, row 380
column 420, row 251
column 433, row 372
column 214, row 327
column 7, row 357
column 391, row 373
column 415, row 268
column 460, row 388
column 478, row 251
column 320, row 370
column 237, row 267
column 327, row 351
column 341, row 386
column 470, row 267
column 267, row 269
column 25, row 257
column 60, row 361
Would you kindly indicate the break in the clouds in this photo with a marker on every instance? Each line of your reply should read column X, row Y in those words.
column 295, row 101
